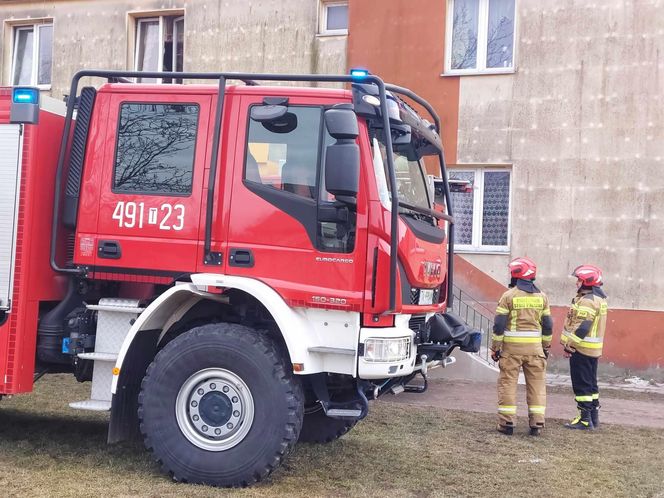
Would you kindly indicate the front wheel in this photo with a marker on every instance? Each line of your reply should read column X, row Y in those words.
column 219, row 406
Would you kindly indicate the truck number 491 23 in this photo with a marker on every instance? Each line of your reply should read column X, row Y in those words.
column 136, row 215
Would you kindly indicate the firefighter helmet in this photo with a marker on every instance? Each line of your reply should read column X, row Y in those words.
column 588, row 274
column 523, row 268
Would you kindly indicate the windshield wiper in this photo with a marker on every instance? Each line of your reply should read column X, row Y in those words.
column 429, row 212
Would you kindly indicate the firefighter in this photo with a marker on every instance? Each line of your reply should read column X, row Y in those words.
column 582, row 338
column 521, row 339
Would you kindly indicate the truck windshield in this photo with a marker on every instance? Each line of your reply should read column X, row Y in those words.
column 412, row 187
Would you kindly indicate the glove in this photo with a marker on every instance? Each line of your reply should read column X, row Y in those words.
column 567, row 352
column 546, row 353
column 495, row 355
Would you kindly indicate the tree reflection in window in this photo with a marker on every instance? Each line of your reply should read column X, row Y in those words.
column 155, row 151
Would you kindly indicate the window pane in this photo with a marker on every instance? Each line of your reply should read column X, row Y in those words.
column 283, row 154
column 148, row 50
column 23, row 56
column 337, row 17
column 45, row 54
column 496, row 206
column 500, row 35
column 155, row 152
column 462, row 203
column 464, row 34
column 178, row 39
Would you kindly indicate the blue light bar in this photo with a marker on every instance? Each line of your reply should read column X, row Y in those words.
column 25, row 95
column 359, row 73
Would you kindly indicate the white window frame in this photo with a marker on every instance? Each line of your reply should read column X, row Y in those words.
column 137, row 40
column 36, row 28
column 322, row 18
column 482, row 34
column 478, row 203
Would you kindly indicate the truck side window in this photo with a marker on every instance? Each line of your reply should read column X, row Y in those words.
column 155, row 148
column 284, row 155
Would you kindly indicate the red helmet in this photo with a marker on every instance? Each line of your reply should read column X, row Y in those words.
column 588, row 274
column 523, row 268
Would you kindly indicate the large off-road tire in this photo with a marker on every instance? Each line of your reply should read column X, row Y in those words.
column 220, row 406
column 319, row 428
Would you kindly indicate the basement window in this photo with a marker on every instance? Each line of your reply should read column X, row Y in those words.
column 482, row 209
column 480, row 36
column 32, row 56
column 159, row 46
column 333, row 18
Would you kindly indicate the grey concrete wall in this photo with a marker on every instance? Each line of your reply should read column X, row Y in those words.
column 220, row 35
column 582, row 123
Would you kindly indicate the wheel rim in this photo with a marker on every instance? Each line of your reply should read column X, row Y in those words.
column 214, row 409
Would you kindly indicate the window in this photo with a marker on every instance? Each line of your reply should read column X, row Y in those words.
column 480, row 36
column 284, row 154
column 32, row 58
column 282, row 166
column 159, row 46
column 155, row 148
column 482, row 210
column 333, row 18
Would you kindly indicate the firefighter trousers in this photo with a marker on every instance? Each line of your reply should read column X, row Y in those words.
column 583, row 370
column 534, row 370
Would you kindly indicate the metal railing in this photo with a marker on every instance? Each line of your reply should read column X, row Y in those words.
column 476, row 315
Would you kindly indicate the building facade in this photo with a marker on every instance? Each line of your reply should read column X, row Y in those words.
column 553, row 113
column 44, row 43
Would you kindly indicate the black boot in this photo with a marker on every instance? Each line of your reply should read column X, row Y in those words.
column 594, row 415
column 507, row 429
column 582, row 421
column 536, row 430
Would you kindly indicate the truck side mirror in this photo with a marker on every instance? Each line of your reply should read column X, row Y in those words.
column 342, row 159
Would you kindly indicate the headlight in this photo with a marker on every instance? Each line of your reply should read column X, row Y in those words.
column 387, row 350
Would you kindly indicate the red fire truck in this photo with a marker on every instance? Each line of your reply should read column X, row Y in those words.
column 234, row 267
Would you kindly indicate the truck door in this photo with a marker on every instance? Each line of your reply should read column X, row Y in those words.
column 151, row 187
column 285, row 228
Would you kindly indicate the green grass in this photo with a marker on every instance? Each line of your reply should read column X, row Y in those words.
column 46, row 449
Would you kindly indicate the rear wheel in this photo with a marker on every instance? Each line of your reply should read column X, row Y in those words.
column 220, row 406
column 319, row 428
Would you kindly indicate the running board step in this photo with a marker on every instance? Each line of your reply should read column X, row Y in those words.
column 343, row 412
column 95, row 405
column 98, row 356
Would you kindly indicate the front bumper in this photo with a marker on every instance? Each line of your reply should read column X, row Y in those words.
column 436, row 339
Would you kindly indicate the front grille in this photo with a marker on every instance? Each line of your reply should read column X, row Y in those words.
column 416, row 322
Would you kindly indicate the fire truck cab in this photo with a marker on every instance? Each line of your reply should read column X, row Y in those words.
column 234, row 267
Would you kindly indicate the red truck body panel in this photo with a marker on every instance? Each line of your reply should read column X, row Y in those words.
column 34, row 280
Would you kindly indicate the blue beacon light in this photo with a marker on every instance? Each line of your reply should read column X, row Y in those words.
column 359, row 73
column 25, row 96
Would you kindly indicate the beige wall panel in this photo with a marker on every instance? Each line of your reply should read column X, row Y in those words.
column 584, row 130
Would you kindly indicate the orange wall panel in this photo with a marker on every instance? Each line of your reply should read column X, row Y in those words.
column 403, row 41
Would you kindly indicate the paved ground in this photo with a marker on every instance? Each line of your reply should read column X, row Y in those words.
column 618, row 407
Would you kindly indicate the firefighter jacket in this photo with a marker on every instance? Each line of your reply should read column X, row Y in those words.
column 586, row 322
column 523, row 322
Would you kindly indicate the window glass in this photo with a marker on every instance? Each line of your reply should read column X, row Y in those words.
column 23, row 56
column 463, row 208
column 45, row 55
column 155, row 148
column 283, row 154
column 178, row 42
column 464, row 34
column 148, row 52
column 337, row 17
column 481, row 35
column 500, row 33
column 495, row 208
